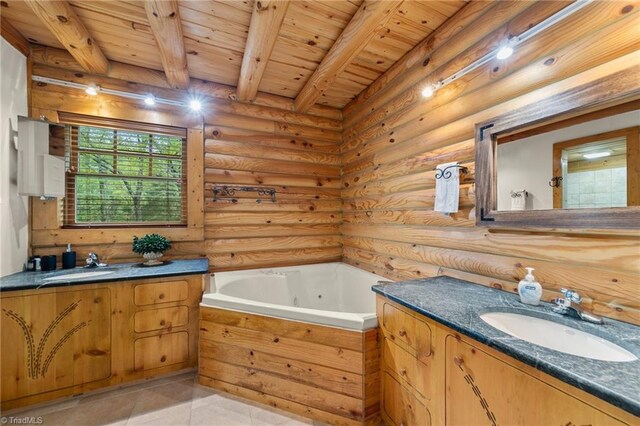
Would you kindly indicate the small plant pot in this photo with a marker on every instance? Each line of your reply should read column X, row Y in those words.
column 152, row 259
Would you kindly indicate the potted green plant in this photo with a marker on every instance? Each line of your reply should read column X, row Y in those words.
column 151, row 247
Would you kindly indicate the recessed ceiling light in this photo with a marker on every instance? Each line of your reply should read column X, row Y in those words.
column 150, row 100
column 92, row 90
column 504, row 52
column 195, row 105
column 593, row 155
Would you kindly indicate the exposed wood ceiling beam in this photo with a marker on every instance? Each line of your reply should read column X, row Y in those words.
column 14, row 37
column 66, row 26
column 132, row 75
column 266, row 21
column 164, row 20
column 372, row 16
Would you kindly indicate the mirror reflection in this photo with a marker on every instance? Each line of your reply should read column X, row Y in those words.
column 591, row 164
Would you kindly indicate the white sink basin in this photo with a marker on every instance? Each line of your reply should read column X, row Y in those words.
column 557, row 336
column 78, row 275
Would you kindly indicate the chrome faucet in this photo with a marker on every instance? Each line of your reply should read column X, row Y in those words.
column 570, row 305
column 93, row 261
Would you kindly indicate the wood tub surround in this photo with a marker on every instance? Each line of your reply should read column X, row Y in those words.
column 71, row 339
column 325, row 373
column 473, row 375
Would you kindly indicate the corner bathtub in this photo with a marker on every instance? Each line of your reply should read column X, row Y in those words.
column 300, row 338
column 333, row 294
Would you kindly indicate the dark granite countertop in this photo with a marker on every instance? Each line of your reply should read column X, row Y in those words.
column 118, row 272
column 458, row 304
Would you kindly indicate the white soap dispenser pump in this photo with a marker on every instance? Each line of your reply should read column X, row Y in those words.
column 529, row 289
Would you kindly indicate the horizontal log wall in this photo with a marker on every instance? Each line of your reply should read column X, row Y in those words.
column 301, row 162
column 393, row 138
column 239, row 144
column 391, row 141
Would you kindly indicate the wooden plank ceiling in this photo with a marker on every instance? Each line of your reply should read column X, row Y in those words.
column 315, row 51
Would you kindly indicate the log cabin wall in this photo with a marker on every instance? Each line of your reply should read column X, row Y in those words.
column 301, row 161
column 393, row 138
column 232, row 143
column 391, row 141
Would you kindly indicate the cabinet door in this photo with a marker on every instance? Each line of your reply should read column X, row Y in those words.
column 399, row 407
column 483, row 390
column 54, row 340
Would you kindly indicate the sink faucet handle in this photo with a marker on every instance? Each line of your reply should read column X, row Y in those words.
column 571, row 295
column 93, row 260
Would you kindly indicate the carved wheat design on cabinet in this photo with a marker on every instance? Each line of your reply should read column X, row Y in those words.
column 35, row 367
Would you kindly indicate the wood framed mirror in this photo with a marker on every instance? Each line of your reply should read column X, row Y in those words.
column 569, row 161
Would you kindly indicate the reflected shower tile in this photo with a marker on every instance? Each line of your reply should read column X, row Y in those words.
column 573, row 188
column 603, row 198
column 619, row 178
column 587, row 199
column 619, row 197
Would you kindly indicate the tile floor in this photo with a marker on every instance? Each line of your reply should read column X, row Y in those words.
column 171, row 401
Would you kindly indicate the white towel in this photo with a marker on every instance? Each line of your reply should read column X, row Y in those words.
column 447, row 188
column 518, row 199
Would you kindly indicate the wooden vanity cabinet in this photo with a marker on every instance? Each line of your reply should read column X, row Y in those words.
column 407, row 382
column 68, row 340
column 485, row 390
column 463, row 382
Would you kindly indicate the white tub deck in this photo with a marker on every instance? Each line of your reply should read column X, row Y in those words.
column 332, row 294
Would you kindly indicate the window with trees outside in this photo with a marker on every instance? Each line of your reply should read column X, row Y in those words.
column 124, row 175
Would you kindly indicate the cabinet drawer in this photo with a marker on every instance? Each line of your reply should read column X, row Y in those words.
column 410, row 372
column 159, row 351
column 160, row 319
column 402, row 327
column 400, row 406
column 170, row 291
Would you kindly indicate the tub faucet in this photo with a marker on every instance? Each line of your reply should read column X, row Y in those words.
column 570, row 305
column 93, row 261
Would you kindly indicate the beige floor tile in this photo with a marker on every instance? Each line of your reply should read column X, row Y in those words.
column 43, row 409
column 220, row 415
column 170, row 401
column 223, row 401
column 170, row 415
column 266, row 416
column 115, row 409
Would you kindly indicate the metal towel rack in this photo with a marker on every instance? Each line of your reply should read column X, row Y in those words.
column 220, row 192
column 518, row 194
column 446, row 173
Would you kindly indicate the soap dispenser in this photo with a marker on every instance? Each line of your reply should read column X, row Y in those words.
column 529, row 289
column 69, row 258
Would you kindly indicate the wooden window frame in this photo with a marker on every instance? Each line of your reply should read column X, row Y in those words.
column 69, row 208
